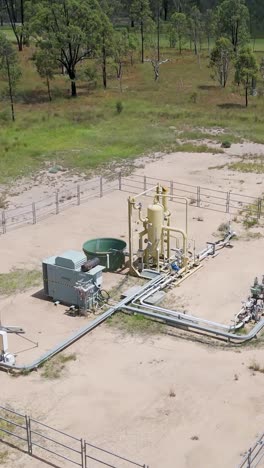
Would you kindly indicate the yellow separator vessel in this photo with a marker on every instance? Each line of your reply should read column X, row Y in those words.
column 155, row 238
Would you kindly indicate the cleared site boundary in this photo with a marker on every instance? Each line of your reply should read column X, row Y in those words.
column 51, row 445
column 201, row 197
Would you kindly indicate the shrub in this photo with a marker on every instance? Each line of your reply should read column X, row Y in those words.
column 4, row 116
column 223, row 227
column 194, row 97
column 226, row 144
column 90, row 75
column 119, row 107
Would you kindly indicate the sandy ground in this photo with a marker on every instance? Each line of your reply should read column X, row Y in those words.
column 45, row 184
column 117, row 393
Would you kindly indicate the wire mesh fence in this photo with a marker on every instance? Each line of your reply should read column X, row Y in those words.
column 40, row 440
column 255, row 455
column 198, row 196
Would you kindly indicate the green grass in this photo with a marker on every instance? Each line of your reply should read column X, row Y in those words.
column 86, row 133
column 8, row 31
column 252, row 165
column 134, row 324
column 249, row 222
column 19, row 280
column 53, row 368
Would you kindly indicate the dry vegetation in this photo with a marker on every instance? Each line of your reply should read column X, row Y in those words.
column 53, row 368
column 154, row 116
column 18, row 281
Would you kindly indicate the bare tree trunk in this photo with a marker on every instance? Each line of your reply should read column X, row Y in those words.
column 1, row 13
column 104, row 68
column 142, row 41
column 12, row 14
column 120, row 77
column 73, row 89
column 10, row 90
column 195, row 45
column 165, row 6
column 156, row 71
column 158, row 30
column 48, row 86
column 246, row 95
column 72, row 77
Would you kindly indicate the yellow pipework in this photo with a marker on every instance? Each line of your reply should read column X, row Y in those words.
column 156, row 226
column 184, row 237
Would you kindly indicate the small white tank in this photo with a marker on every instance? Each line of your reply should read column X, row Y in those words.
column 155, row 223
column 3, row 342
column 5, row 356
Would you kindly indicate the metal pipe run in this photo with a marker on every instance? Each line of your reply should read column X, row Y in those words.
column 81, row 332
column 231, row 337
column 183, row 316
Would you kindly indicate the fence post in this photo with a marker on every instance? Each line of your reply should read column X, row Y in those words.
column 78, row 195
column 249, row 458
column 120, row 180
column 84, row 454
column 171, row 190
column 227, row 202
column 34, row 218
column 145, row 183
column 198, row 197
column 101, row 187
column 4, row 221
column 57, row 201
column 29, row 441
column 259, row 207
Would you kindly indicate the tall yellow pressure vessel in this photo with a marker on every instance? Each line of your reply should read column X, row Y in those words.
column 155, row 223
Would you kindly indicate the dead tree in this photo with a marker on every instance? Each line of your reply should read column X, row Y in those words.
column 156, row 65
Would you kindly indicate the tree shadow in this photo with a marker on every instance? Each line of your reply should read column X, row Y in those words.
column 13, row 446
column 208, row 87
column 32, row 96
column 39, row 95
column 231, row 105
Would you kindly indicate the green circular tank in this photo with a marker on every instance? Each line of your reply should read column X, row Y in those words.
column 109, row 251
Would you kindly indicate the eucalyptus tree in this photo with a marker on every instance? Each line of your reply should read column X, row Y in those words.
column 221, row 60
column 141, row 14
column 9, row 69
column 195, row 27
column 179, row 25
column 233, row 22
column 69, row 29
column 246, row 67
column 16, row 14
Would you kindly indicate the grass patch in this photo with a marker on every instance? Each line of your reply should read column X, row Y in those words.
column 256, row 367
column 134, row 324
column 53, row 368
column 196, row 148
column 256, row 166
column 3, row 203
column 249, row 222
column 89, row 133
column 8, row 426
column 242, row 331
column 3, row 457
column 19, row 280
